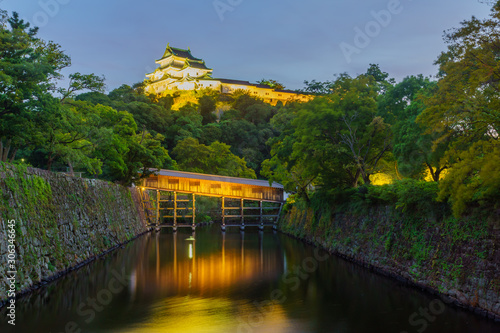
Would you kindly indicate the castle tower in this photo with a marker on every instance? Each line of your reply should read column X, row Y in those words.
column 178, row 70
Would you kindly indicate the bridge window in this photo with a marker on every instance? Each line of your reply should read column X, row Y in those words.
column 236, row 188
column 173, row 181
column 256, row 190
column 194, row 183
column 215, row 186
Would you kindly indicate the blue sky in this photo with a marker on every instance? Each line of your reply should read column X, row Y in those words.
column 286, row 40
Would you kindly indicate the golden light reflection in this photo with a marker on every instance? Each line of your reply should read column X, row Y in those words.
column 176, row 267
column 194, row 315
column 185, row 283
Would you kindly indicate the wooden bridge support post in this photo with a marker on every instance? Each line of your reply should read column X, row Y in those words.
column 157, row 210
column 242, row 212
column 261, row 220
column 223, row 226
column 174, row 228
column 193, row 227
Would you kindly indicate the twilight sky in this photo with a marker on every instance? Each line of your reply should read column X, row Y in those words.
column 286, row 40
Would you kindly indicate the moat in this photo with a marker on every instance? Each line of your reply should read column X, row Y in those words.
column 249, row 281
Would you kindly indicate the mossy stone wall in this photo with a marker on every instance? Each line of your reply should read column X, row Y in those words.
column 61, row 221
column 456, row 258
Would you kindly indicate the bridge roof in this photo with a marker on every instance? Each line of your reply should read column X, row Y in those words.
column 192, row 175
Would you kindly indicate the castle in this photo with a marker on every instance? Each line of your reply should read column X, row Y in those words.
column 179, row 70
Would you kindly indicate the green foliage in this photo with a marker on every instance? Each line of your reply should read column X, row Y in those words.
column 207, row 109
column 207, row 209
column 474, row 179
column 145, row 154
column 412, row 146
column 317, row 87
column 28, row 68
column 271, row 83
column 78, row 82
column 61, row 131
column 283, row 167
column 215, row 159
column 407, row 195
column 333, row 140
column 397, row 103
column 465, row 108
column 322, row 150
column 245, row 127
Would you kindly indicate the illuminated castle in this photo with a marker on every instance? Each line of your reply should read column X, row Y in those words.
column 179, row 70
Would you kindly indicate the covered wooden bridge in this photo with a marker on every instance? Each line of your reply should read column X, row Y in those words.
column 169, row 199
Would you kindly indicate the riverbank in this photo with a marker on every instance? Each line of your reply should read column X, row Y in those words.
column 457, row 259
column 57, row 223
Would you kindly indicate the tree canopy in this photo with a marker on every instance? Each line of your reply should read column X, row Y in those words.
column 47, row 126
column 465, row 109
column 353, row 130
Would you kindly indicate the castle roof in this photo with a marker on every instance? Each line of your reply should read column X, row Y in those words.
column 199, row 65
column 189, row 60
column 244, row 83
column 181, row 53
column 258, row 85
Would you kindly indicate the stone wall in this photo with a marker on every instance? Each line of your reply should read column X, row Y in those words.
column 458, row 259
column 61, row 222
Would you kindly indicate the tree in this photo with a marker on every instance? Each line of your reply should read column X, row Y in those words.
column 393, row 105
column 78, row 82
column 465, row 110
column 474, row 178
column 381, row 78
column 415, row 151
column 412, row 146
column 211, row 132
column 339, row 136
column 366, row 148
column 283, row 166
column 187, row 124
column 67, row 127
column 467, row 100
column 28, row 67
column 271, row 83
column 207, row 109
column 215, row 159
column 317, row 87
column 127, row 154
column 145, row 156
column 67, row 132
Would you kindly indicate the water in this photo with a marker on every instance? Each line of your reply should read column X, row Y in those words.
column 234, row 282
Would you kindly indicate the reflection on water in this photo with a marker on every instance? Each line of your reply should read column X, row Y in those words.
column 207, row 265
column 226, row 282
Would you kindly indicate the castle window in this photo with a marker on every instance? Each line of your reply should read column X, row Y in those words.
column 267, row 93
